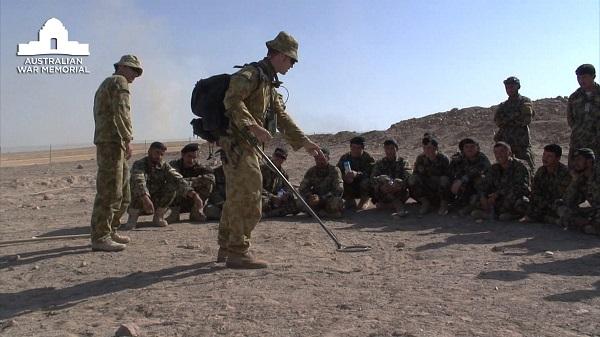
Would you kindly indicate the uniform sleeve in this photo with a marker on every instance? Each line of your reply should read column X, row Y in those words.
column 241, row 85
column 138, row 179
column 368, row 164
column 520, row 182
column 419, row 165
column 183, row 185
column 376, row 172
column 286, row 125
column 338, row 184
column 122, row 109
column 305, row 187
column 340, row 163
column 267, row 181
column 526, row 114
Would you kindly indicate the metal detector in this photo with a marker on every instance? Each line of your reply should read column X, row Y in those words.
column 339, row 247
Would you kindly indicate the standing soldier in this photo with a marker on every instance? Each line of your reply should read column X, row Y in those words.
column 356, row 167
column 513, row 117
column 277, row 199
column 549, row 186
column 390, row 180
column 467, row 170
column 429, row 182
column 583, row 112
column 322, row 187
column 200, row 177
column 217, row 197
column 251, row 94
column 113, row 135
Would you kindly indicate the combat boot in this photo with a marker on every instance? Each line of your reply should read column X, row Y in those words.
column 116, row 237
column 244, row 261
column 363, row 203
column 174, row 215
column 197, row 215
column 222, row 255
column 425, row 206
column 443, row 208
column 107, row 245
column 134, row 214
column 159, row 217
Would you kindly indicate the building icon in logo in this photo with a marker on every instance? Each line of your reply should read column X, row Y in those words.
column 53, row 38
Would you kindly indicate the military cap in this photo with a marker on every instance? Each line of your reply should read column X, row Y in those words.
column 585, row 152
column 131, row 61
column 158, row 145
column 465, row 141
column 358, row 140
column 285, row 44
column 502, row 144
column 586, row 69
column 192, row 147
column 279, row 152
column 390, row 142
column 429, row 139
column 554, row 148
column 512, row 80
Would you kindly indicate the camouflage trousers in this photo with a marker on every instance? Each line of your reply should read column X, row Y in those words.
column 389, row 197
column 161, row 195
column 512, row 203
column 540, row 209
column 571, row 217
column 434, row 189
column 270, row 210
column 242, row 209
column 359, row 188
column 467, row 195
column 112, row 186
column 328, row 203
column 203, row 186
column 524, row 153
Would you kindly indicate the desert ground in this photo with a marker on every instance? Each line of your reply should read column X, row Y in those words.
column 424, row 277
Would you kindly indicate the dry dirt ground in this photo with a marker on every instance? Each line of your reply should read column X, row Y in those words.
column 434, row 277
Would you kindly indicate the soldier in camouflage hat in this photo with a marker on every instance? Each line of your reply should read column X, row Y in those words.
column 322, row 188
column 251, row 93
column 112, row 136
column 389, row 179
column 277, row 198
column 356, row 167
column 583, row 112
column 513, row 117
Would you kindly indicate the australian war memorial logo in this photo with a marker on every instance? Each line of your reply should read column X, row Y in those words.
column 53, row 39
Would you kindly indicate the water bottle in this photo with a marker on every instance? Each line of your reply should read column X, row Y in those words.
column 347, row 167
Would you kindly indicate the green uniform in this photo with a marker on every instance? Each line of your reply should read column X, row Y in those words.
column 583, row 116
column 274, row 187
column 511, row 185
column 251, row 92
column 161, row 182
column 513, row 117
column 217, row 196
column 581, row 188
column 200, row 177
column 430, row 178
column 547, row 188
column 471, row 172
column 360, row 186
column 327, row 183
column 390, row 172
column 113, row 131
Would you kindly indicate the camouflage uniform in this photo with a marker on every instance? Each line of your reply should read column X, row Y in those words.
column 580, row 189
column 583, row 116
column 510, row 185
column 513, row 117
column 430, row 178
column 386, row 172
column 217, row 196
column 471, row 173
column 161, row 182
column 251, row 92
column 274, row 186
column 113, row 130
column 201, row 179
column 360, row 187
column 546, row 190
column 327, row 183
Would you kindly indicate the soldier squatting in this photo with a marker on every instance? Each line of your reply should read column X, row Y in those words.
column 241, row 191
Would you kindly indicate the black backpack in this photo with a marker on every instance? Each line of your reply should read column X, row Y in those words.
column 207, row 103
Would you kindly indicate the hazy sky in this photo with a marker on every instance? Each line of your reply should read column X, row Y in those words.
column 363, row 65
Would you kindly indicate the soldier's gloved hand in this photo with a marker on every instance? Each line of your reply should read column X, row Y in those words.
column 260, row 133
column 128, row 151
column 147, row 204
column 455, row 188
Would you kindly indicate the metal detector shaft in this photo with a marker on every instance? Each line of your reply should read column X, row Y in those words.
column 46, row 238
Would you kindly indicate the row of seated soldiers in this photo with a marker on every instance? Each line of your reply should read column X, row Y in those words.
column 467, row 183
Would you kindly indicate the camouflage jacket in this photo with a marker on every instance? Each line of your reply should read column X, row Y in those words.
column 514, row 180
column 461, row 168
column 581, row 189
column 548, row 187
column 513, row 117
column 112, row 115
column 218, row 194
column 583, row 116
column 251, row 92
column 147, row 178
column 394, row 169
column 272, row 183
column 363, row 164
column 192, row 172
column 322, row 181
column 428, row 168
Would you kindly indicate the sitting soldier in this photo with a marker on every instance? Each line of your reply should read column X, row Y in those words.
column 390, row 180
column 322, row 187
column 549, row 186
column 356, row 167
column 214, row 204
column 154, row 185
column 505, row 189
column 201, row 179
column 467, row 169
column 583, row 187
column 277, row 198
column 429, row 182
